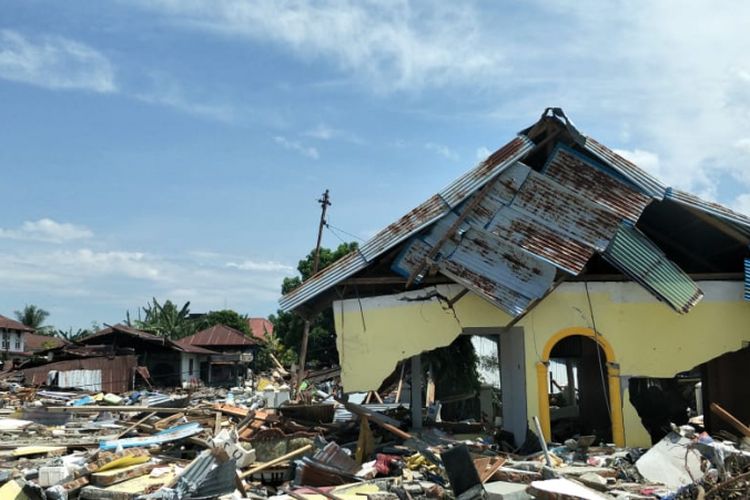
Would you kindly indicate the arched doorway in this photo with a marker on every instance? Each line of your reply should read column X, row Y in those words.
column 576, row 350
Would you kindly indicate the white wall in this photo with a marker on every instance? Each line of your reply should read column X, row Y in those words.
column 14, row 339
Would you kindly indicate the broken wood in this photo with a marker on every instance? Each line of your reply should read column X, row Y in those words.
column 132, row 427
column 730, row 419
column 282, row 458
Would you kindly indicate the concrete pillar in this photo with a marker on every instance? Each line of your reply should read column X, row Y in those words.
column 416, row 392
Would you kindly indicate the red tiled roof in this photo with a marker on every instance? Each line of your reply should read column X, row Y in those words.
column 34, row 342
column 12, row 324
column 219, row 335
column 259, row 327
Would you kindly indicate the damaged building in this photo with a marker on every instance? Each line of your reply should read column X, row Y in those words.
column 610, row 294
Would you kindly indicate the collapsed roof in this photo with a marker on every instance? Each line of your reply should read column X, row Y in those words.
column 550, row 205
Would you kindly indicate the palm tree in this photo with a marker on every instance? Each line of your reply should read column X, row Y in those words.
column 166, row 319
column 33, row 317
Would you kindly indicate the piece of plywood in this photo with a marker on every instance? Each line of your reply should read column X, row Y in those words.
column 25, row 451
column 114, row 476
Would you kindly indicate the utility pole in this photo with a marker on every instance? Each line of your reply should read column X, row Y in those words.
column 325, row 202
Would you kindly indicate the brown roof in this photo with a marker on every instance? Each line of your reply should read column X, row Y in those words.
column 123, row 329
column 34, row 342
column 178, row 345
column 219, row 335
column 12, row 324
column 259, row 327
column 193, row 349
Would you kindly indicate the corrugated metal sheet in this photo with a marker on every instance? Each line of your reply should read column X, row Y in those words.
column 566, row 211
column 747, row 279
column 641, row 260
column 590, row 181
column 499, row 271
column 410, row 224
column 710, row 208
column 117, row 372
column 340, row 270
column 475, row 178
column 650, row 184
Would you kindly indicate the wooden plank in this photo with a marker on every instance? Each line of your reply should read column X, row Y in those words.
column 283, row 458
column 730, row 419
column 126, row 431
column 99, row 409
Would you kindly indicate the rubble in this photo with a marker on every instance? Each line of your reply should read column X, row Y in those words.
column 260, row 441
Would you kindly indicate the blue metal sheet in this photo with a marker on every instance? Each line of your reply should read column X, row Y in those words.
column 747, row 279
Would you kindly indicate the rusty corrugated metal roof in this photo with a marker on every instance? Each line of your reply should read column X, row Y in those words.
column 709, row 207
column 587, row 178
column 408, row 225
column 647, row 182
column 526, row 222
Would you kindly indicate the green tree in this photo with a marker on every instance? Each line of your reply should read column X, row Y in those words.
column 227, row 317
column 166, row 319
column 70, row 335
column 34, row 317
column 288, row 327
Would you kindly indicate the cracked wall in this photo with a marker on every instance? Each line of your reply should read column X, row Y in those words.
column 648, row 338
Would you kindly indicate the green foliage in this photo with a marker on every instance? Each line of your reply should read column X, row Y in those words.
column 288, row 327
column 72, row 336
column 454, row 367
column 34, row 317
column 166, row 320
column 226, row 317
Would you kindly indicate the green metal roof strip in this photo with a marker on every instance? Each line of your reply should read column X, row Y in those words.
column 640, row 259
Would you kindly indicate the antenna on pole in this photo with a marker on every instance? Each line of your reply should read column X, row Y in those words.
column 325, row 202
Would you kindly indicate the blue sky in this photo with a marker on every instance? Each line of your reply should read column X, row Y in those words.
column 176, row 148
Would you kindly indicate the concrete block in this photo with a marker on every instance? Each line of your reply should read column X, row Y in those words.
column 49, row 476
column 502, row 490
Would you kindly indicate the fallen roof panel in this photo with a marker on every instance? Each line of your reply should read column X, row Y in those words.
column 636, row 256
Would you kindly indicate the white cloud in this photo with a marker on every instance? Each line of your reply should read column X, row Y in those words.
column 482, row 153
column 297, row 146
column 165, row 91
column 442, row 150
column 645, row 159
column 47, row 230
column 324, row 132
column 55, row 63
column 262, row 266
column 387, row 45
column 742, row 204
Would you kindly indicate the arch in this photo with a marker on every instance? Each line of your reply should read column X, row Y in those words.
column 613, row 376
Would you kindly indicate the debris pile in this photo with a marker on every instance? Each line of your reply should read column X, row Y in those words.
column 262, row 441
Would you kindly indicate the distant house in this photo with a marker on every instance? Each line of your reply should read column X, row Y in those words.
column 35, row 343
column 169, row 363
column 260, row 327
column 13, row 337
column 234, row 351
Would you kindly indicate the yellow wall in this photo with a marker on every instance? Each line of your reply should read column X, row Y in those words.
column 647, row 337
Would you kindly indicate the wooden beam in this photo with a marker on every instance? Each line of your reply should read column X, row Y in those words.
column 730, row 419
